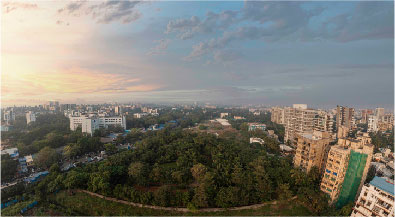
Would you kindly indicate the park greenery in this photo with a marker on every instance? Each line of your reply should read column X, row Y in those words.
column 179, row 168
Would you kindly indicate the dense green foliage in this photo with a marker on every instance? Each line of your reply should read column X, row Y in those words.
column 8, row 168
column 380, row 140
column 180, row 168
column 48, row 130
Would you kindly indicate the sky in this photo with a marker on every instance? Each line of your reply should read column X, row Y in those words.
column 225, row 52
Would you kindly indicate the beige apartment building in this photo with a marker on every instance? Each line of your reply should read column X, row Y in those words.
column 298, row 121
column 311, row 149
column 323, row 121
column 277, row 115
column 335, row 170
column 345, row 117
column 349, row 162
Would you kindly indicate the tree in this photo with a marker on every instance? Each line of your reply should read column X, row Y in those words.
column 283, row 192
column 110, row 148
column 371, row 174
column 46, row 157
column 75, row 179
column 72, row 150
column 198, row 171
column 138, row 171
column 162, row 196
column 227, row 197
column 8, row 168
column 200, row 199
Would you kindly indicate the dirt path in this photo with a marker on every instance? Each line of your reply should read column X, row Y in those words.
column 255, row 206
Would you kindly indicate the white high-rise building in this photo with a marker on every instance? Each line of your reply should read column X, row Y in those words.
column 373, row 122
column 30, row 117
column 9, row 116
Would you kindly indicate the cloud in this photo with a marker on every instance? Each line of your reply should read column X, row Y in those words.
column 160, row 48
column 105, row 12
column 369, row 20
column 61, row 22
column 189, row 28
column 286, row 21
column 11, row 6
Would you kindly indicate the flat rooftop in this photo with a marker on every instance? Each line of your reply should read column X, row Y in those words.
column 383, row 184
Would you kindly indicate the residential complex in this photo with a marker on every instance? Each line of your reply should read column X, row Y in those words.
column 311, row 150
column 299, row 119
column 380, row 121
column 90, row 123
column 346, row 168
column 376, row 199
column 345, row 117
column 30, row 117
column 335, row 170
column 277, row 115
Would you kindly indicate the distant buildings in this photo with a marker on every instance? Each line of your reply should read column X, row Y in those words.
column 92, row 123
column 238, row 118
column 373, row 123
column 223, row 122
column 376, row 199
column 380, row 121
column 346, row 168
column 379, row 112
column 30, row 117
column 255, row 126
column 277, row 115
column 311, row 150
column 345, row 117
column 9, row 116
column 224, row 114
column 365, row 115
column 298, row 119
column 139, row 115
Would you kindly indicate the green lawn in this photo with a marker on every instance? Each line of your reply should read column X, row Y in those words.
column 84, row 204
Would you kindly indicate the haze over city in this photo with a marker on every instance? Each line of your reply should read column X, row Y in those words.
column 319, row 53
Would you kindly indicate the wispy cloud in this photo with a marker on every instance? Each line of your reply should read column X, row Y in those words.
column 160, row 48
column 105, row 12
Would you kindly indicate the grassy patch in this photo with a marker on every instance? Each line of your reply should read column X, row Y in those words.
column 84, row 204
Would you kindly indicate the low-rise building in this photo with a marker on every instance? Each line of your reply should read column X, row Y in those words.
column 376, row 199
column 13, row 152
column 257, row 140
column 29, row 160
column 91, row 123
column 224, row 114
column 223, row 122
column 255, row 126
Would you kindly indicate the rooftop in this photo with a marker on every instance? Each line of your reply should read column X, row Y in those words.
column 383, row 184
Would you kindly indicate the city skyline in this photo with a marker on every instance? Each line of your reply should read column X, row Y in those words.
column 319, row 53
